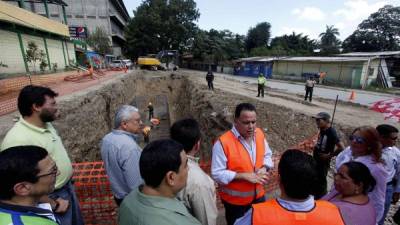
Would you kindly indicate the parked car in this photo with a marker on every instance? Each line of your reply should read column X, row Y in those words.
column 128, row 63
column 116, row 64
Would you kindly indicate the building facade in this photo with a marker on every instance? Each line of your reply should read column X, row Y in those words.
column 19, row 28
column 110, row 15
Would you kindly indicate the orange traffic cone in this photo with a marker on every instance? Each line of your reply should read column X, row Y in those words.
column 352, row 96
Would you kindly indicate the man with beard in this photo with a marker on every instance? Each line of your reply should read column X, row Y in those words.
column 37, row 106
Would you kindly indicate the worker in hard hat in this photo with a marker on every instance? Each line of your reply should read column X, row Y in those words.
column 151, row 110
column 146, row 134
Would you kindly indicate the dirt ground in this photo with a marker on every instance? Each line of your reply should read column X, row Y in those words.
column 347, row 114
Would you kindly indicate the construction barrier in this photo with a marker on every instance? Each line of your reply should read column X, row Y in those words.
column 93, row 190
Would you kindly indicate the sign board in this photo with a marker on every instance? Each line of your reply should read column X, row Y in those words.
column 77, row 31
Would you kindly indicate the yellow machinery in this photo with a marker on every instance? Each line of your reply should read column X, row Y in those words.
column 148, row 63
column 164, row 60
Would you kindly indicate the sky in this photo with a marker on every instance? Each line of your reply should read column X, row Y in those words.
column 309, row 17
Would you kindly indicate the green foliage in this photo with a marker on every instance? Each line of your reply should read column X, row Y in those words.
column 258, row 36
column 293, row 45
column 380, row 32
column 55, row 66
column 34, row 55
column 161, row 25
column 215, row 46
column 99, row 41
column 330, row 44
column 43, row 63
column 3, row 65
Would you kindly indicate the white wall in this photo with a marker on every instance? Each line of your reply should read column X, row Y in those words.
column 10, row 53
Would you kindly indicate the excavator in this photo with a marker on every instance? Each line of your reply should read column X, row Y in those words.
column 164, row 60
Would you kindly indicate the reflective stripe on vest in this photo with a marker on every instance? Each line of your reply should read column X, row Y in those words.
column 21, row 218
column 240, row 192
column 271, row 213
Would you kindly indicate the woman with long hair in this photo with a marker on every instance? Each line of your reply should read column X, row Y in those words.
column 353, row 181
column 365, row 147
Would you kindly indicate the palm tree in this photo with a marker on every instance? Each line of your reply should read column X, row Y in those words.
column 329, row 42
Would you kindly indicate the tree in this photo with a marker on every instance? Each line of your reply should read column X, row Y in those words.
column 293, row 45
column 215, row 46
column 99, row 41
column 258, row 36
column 330, row 44
column 33, row 54
column 160, row 25
column 380, row 32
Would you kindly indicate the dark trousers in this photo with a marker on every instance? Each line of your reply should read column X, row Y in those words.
column 309, row 91
column 151, row 114
column 234, row 212
column 320, row 188
column 210, row 85
column 118, row 201
column 260, row 90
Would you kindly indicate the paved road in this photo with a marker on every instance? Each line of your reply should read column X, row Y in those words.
column 362, row 97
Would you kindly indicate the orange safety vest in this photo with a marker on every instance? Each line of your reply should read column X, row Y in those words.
column 240, row 192
column 271, row 213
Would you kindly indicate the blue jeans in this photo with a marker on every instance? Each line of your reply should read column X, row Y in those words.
column 388, row 201
column 73, row 215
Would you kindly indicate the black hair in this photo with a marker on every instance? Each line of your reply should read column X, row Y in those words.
column 186, row 132
column 157, row 159
column 386, row 129
column 297, row 172
column 360, row 173
column 31, row 95
column 244, row 107
column 19, row 164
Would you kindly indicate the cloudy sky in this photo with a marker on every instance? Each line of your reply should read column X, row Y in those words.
column 309, row 17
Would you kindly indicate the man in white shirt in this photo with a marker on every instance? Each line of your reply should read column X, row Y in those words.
column 199, row 194
column 241, row 159
column 391, row 156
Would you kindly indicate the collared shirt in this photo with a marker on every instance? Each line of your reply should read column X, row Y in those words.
column 303, row 206
column 199, row 195
column 219, row 169
column 121, row 154
column 24, row 133
column 391, row 157
column 141, row 209
column 377, row 170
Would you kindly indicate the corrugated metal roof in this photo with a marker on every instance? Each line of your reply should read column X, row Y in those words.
column 257, row 59
column 324, row 59
column 386, row 53
column 13, row 14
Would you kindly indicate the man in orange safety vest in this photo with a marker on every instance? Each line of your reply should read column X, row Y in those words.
column 241, row 159
column 296, row 205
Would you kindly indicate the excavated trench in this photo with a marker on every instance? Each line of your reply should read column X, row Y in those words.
column 88, row 115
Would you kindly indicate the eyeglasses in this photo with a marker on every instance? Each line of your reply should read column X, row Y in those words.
column 54, row 171
column 357, row 139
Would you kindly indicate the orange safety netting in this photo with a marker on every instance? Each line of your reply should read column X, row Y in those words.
column 9, row 88
column 96, row 199
column 94, row 193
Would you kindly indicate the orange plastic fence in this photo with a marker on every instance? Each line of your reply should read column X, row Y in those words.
column 94, row 193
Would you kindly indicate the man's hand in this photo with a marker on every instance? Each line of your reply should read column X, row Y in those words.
column 62, row 205
column 395, row 197
column 253, row 177
column 325, row 156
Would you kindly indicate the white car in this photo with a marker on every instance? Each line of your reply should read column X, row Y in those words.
column 128, row 63
column 116, row 64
